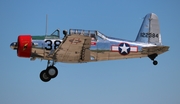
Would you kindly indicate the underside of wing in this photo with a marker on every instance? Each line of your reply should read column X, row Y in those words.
column 74, row 48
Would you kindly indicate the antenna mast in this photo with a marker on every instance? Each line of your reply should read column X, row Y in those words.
column 46, row 24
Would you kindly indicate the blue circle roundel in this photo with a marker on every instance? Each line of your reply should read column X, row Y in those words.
column 124, row 48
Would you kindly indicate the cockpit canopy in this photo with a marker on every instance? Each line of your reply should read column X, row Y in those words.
column 94, row 34
column 91, row 33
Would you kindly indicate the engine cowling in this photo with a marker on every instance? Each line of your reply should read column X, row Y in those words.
column 24, row 46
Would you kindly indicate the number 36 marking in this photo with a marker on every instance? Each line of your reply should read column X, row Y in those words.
column 52, row 44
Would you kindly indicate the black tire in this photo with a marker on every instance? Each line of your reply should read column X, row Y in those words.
column 52, row 71
column 155, row 62
column 44, row 77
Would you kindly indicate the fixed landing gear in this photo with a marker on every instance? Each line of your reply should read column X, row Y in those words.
column 44, row 77
column 49, row 73
column 52, row 71
column 152, row 57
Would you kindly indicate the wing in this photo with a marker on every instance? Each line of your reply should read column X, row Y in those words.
column 74, row 48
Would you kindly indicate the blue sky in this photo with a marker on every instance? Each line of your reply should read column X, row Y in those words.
column 131, row 81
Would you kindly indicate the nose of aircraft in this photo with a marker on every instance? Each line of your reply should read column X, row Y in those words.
column 14, row 46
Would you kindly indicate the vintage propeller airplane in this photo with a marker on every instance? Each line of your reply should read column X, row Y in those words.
column 81, row 46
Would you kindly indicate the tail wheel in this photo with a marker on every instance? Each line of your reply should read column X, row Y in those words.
column 44, row 77
column 52, row 71
column 155, row 62
column 152, row 57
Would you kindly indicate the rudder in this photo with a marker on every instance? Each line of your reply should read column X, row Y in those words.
column 150, row 30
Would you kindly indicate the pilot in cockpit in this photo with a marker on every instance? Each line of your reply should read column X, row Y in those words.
column 93, row 37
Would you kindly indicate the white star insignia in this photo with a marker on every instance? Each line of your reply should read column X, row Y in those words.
column 124, row 48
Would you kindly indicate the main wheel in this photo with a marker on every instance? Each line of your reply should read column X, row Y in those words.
column 155, row 62
column 44, row 77
column 52, row 71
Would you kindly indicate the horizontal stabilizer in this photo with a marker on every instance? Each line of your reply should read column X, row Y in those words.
column 154, row 49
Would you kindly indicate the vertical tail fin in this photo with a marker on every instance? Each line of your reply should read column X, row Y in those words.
column 150, row 30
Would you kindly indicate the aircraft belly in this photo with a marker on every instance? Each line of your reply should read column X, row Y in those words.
column 108, row 55
column 116, row 55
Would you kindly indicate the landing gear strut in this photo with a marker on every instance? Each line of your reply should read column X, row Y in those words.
column 152, row 57
column 49, row 73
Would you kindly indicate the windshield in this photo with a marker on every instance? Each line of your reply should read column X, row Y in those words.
column 54, row 35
